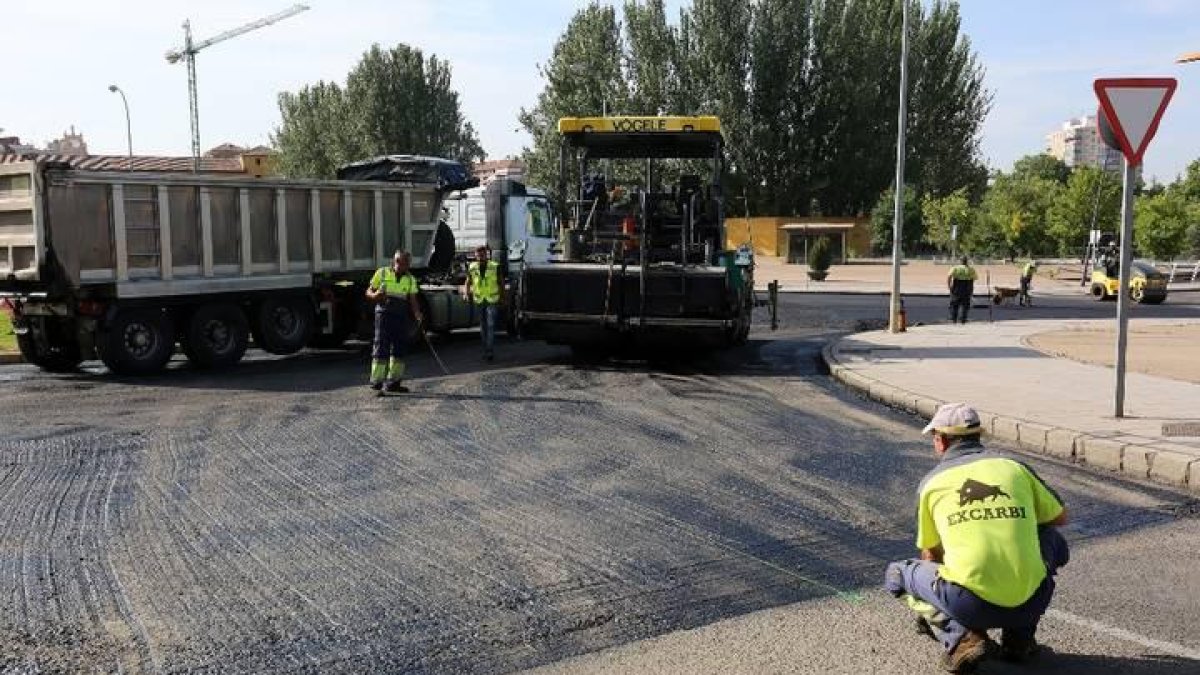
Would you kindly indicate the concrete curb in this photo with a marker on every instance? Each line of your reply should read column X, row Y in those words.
column 1156, row 461
column 10, row 358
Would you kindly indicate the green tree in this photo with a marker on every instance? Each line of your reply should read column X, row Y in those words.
column 1160, row 226
column 883, row 218
column 1091, row 198
column 1018, row 208
column 949, row 221
column 650, row 62
column 394, row 101
column 1042, row 166
column 583, row 77
column 805, row 89
column 948, row 105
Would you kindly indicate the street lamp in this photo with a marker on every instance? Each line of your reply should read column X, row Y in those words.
column 128, row 127
column 894, row 324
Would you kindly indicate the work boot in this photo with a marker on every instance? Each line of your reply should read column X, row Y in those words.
column 376, row 385
column 967, row 654
column 488, row 356
column 395, row 388
column 1017, row 649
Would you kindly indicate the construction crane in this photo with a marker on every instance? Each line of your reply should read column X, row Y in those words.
column 188, row 55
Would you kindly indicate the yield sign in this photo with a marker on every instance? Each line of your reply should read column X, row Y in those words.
column 1133, row 107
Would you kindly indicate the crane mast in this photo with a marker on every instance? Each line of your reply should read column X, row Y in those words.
column 188, row 55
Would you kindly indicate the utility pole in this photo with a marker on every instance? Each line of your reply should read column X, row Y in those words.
column 901, row 139
column 188, row 55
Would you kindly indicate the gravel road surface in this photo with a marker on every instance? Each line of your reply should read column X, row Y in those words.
column 279, row 517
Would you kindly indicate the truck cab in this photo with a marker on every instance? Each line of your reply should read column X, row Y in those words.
column 525, row 222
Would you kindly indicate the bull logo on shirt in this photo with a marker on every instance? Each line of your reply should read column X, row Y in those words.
column 973, row 491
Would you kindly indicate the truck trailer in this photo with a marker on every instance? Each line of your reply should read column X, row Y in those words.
column 124, row 266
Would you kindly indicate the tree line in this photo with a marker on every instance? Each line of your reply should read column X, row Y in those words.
column 807, row 92
column 1042, row 207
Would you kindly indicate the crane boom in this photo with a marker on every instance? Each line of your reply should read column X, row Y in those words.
column 188, row 55
column 234, row 32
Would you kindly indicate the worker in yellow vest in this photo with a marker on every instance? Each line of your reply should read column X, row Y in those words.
column 1027, row 273
column 961, row 282
column 484, row 290
column 394, row 291
column 987, row 530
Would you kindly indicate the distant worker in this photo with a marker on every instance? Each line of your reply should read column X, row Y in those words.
column 1027, row 273
column 989, row 548
column 961, row 282
column 394, row 291
column 483, row 289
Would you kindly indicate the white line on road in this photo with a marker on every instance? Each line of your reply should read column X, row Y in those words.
column 1167, row 648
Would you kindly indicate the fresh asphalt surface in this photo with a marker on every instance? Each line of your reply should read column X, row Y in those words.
column 278, row 517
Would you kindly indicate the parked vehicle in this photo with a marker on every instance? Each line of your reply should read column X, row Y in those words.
column 126, row 265
column 643, row 264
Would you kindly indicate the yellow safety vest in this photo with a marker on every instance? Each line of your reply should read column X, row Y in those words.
column 485, row 285
column 1029, row 270
column 963, row 273
column 385, row 279
column 983, row 509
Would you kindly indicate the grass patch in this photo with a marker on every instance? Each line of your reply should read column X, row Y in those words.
column 8, row 341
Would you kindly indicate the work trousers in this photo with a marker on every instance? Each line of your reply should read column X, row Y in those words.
column 960, row 304
column 952, row 610
column 1025, row 299
column 392, row 331
column 487, row 326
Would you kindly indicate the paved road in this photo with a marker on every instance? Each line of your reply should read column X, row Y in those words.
column 279, row 518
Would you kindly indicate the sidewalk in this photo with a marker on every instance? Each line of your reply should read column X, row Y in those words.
column 1048, row 405
column 918, row 277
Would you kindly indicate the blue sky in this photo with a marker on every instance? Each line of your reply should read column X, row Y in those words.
column 1041, row 57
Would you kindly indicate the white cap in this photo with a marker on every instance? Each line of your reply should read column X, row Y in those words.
column 954, row 419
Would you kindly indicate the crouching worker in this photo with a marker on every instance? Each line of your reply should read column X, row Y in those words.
column 989, row 548
column 394, row 292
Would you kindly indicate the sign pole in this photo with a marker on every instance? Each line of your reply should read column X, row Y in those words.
column 1130, row 110
column 1123, row 277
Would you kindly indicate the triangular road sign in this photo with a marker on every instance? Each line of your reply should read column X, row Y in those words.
column 1133, row 107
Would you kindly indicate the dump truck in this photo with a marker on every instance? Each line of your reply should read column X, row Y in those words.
column 125, row 266
column 643, row 264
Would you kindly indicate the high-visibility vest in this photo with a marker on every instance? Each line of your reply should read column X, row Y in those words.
column 485, row 284
column 1029, row 269
column 963, row 273
column 385, row 279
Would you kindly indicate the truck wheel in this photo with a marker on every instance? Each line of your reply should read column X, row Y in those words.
column 284, row 325
column 217, row 336
column 57, row 356
column 1098, row 293
column 1137, row 294
column 137, row 342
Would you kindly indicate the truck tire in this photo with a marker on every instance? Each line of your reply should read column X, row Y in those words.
column 1137, row 294
column 56, row 356
column 137, row 342
column 284, row 325
column 1098, row 293
column 217, row 336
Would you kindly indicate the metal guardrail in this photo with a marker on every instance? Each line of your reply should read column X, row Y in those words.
column 1181, row 272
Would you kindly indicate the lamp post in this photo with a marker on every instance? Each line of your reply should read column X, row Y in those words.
column 128, row 127
column 894, row 324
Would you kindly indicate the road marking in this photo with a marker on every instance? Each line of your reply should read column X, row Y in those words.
column 1167, row 648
